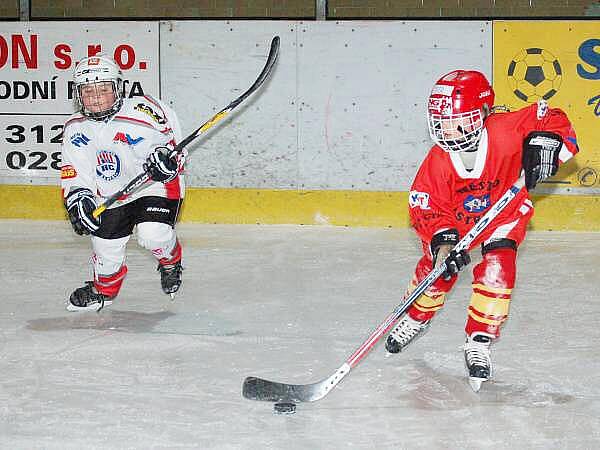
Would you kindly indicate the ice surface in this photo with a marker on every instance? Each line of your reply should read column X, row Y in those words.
column 288, row 303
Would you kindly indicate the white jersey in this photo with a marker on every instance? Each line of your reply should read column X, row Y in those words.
column 104, row 156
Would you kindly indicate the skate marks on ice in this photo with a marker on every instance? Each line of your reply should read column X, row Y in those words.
column 160, row 322
column 438, row 381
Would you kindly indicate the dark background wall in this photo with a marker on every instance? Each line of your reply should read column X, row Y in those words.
column 346, row 9
column 9, row 9
column 299, row 9
column 173, row 9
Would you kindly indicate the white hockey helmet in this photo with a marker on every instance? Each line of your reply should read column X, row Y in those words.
column 98, row 69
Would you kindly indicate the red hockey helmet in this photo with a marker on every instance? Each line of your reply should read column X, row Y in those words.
column 458, row 104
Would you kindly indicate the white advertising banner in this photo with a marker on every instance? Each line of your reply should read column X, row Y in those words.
column 36, row 66
column 343, row 109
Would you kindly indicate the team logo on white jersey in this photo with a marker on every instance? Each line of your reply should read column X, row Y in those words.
column 79, row 139
column 108, row 165
column 146, row 109
column 418, row 199
column 125, row 138
column 475, row 204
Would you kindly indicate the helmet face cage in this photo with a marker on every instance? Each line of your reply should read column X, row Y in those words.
column 100, row 115
column 95, row 71
column 458, row 104
column 456, row 132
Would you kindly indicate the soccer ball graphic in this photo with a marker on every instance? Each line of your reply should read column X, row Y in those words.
column 534, row 74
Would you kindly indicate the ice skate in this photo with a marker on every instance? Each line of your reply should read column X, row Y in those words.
column 477, row 359
column 170, row 277
column 86, row 298
column 406, row 331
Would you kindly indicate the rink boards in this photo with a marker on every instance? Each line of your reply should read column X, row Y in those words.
column 334, row 137
column 347, row 208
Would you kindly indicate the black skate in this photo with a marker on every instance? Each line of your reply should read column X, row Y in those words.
column 477, row 358
column 404, row 333
column 170, row 277
column 86, row 298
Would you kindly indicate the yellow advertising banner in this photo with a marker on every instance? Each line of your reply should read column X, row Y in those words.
column 558, row 61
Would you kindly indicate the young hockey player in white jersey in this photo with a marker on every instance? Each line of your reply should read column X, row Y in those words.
column 107, row 143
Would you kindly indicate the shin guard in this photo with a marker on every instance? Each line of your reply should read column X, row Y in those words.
column 493, row 281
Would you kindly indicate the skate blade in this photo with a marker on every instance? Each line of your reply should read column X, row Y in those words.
column 95, row 307
column 389, row 354
column 475, row 383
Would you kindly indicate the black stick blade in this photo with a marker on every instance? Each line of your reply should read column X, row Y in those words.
column 271, row 391
column 264, row 74
column 255, row 388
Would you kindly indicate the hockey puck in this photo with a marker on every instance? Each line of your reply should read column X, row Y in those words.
column 284, row 408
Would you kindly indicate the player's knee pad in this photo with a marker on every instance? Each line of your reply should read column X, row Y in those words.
column 109, row 255
column 498, row 265
column 493, row 281
column 157, row 237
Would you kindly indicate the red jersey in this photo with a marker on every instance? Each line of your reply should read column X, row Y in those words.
column 446, row 195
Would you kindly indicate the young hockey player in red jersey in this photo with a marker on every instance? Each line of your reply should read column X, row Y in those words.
column 107, row 143
column 477, row 156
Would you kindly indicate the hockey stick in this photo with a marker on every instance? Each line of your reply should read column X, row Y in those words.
column 142, row 178
column 260, row 389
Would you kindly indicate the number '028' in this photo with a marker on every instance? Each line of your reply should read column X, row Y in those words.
column 33, row 161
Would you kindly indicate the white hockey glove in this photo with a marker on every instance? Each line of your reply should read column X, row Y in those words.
column 160, row 167
column 441, row 246
column 80, row 204
column 540, row 156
